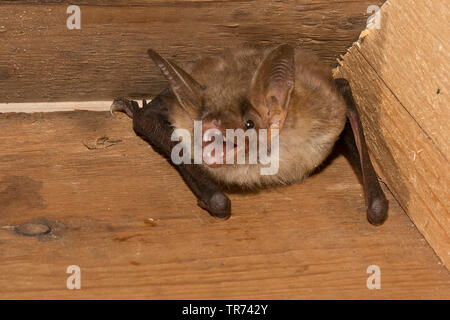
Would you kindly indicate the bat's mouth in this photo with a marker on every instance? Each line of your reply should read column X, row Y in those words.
column 217, row 150
column 220, row 153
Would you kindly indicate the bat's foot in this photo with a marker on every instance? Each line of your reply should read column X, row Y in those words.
column 130, row 107
column 219, row 206
column 377, row 211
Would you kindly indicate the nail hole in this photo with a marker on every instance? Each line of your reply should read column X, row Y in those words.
column 32, row 229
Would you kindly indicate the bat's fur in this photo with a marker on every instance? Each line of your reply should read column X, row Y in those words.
column 316, row 112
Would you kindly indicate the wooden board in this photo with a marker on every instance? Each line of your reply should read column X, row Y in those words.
column 306, row 241
column 42, row 60
column 400, row 77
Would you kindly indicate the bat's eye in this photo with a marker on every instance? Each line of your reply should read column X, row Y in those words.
column 249, row 124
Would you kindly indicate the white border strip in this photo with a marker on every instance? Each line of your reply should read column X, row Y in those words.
column 30, row 107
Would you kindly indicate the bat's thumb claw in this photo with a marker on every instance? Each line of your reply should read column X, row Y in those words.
column 123, row 105
column 116, row 106
column 112, row 110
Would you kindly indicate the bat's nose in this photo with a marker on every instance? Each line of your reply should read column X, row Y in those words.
column 211, row 128
column 212, row 136
column 211, row 124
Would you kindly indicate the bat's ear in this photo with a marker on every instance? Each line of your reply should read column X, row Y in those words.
column 272, row 86
column 188, row 91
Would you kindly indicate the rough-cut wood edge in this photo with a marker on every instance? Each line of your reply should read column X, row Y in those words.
column 413, row 167
column 410, row 53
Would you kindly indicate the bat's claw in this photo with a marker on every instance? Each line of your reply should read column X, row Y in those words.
column 124, row 105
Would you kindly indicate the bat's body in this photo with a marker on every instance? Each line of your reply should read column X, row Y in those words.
column 316, row 114
column 278, row 90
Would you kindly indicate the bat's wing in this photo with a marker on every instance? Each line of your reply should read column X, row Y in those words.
column 377, row 205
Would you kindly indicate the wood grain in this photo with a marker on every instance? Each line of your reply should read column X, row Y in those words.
column 309, row 240
column 41, row 60
column 395, row 73
column 410, row 54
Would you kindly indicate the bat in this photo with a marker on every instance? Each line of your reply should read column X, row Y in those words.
column 281, row 95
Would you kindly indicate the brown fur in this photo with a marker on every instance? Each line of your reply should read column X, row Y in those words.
column 316, row 113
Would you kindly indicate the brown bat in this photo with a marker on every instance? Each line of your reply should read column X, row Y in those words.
column 277, row 92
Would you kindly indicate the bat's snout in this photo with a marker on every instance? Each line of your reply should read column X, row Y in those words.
column 214, row 144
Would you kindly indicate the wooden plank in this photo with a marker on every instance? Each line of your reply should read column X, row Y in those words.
column 41, row 60
column 400, row 116
column 306, row 241
column 410, row 54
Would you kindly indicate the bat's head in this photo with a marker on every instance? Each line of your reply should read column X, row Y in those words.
column 248, row 94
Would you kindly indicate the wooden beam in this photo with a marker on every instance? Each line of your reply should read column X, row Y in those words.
column 41, row 60
column 400, row 77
